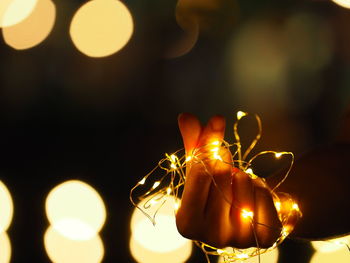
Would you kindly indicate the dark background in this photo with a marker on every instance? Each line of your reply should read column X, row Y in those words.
column 108, row 121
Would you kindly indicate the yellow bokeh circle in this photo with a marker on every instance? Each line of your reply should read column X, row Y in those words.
column 101, row 27
column 75, row 210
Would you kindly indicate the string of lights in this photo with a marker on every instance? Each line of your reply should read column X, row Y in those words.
column 169, row 177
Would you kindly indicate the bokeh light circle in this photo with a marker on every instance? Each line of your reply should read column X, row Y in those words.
column 342, row 3
column 34, row 29
column 101, row 28
column 6, row 208
column 75, row 210
column 160, row 242
column 333, row 250
column 14, row 11
column 5, row 248
column 64, row 250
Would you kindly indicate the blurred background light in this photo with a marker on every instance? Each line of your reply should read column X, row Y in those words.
column 159, row 243
column 75, row 210
column 14, row 11
column 333, row 250
column 5, row 248
column 297, row 48
column 6, row 208
column 34, row 29
column 64, row 250
column 101, row 28
column 268, row 257
column 343, row 3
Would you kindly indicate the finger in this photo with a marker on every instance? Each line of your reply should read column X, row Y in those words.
column 190, row 215
column 266, row 222
column 213, row 131
column 190, row 129
column 241, row 209
column 218, row 209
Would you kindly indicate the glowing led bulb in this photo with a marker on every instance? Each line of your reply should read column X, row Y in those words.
column 155, row 185
column 285, row 231
column 295, row 206
column 240, row 115
column 216, row 143
column 242, row 256
column 143, row 181
column 278, row 155
column 278, row 206
column 249, row 171
column 247, row 214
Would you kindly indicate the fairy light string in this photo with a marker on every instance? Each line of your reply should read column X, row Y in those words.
column 168, row 178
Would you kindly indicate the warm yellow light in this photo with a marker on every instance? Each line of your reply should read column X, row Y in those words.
column 6, row 208
column 173, row 158
column 177, row 205
column 5, row 248
column 295, row 206
column 331, row 245
column 155, row 185
column 247, row 214
column 188, row 158
column 249, row 171
column 144, row 255
column 285, row 231
column 64, row 250
column 278, row 206
column 242, row 256
column 34, row 29
column 333, row 250
column 143, row 181
column 278, row 155
column 161, row 241
column 75, row 210
column 240, row 115
column 216, row 143
column 342, row 3
column 101, row 28
column 270, row 257
column 14, row 11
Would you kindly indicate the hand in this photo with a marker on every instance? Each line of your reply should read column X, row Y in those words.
column 218, row 197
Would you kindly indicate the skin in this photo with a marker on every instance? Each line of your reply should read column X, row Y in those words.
column 212, row 200
column 211, row 206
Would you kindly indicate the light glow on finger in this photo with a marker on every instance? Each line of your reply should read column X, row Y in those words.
column 247, row 214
